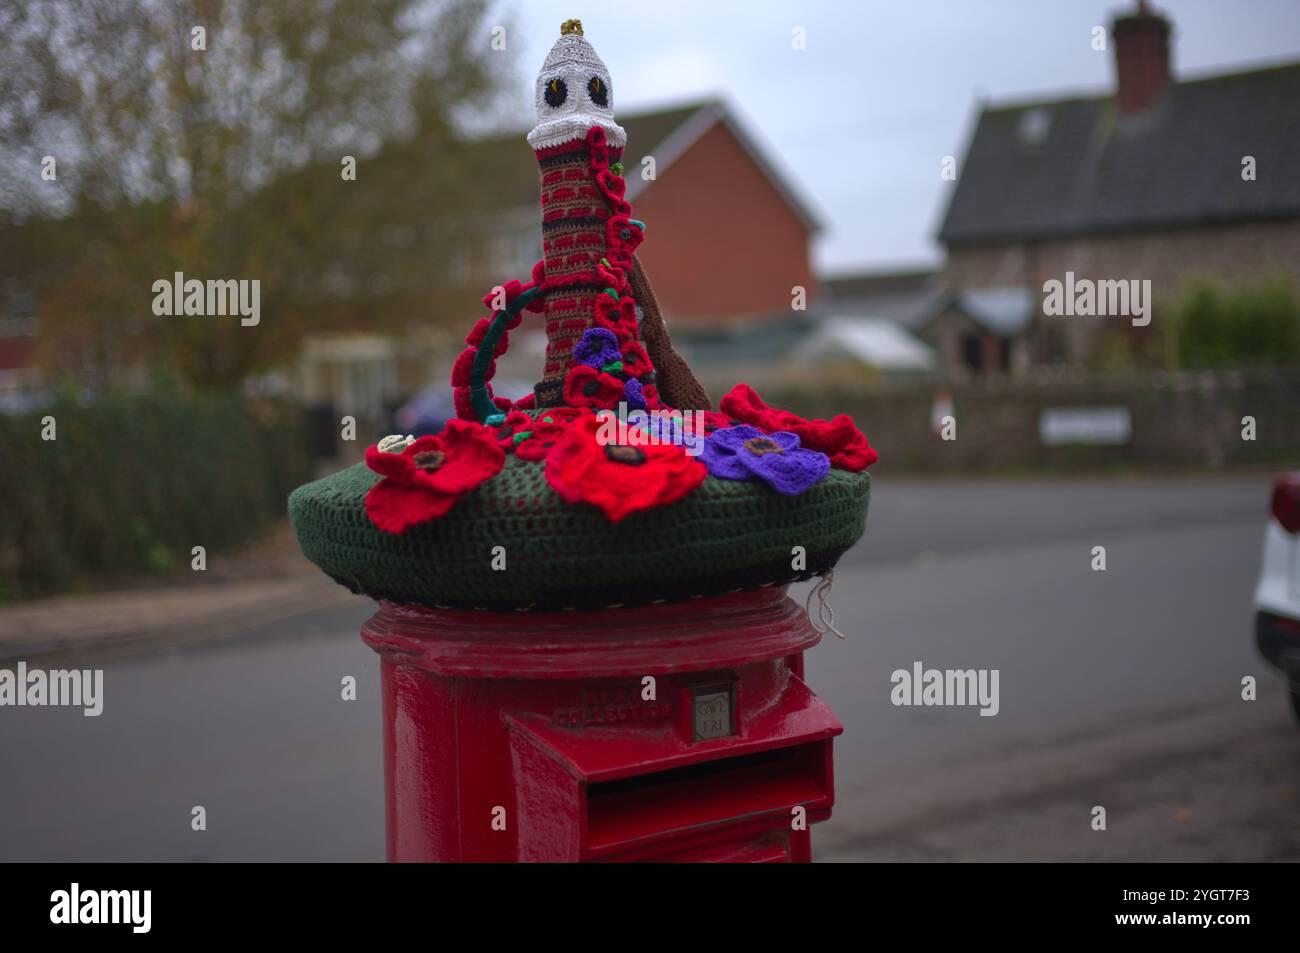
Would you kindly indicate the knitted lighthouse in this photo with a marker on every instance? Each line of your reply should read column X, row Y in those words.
column 589, row 277
column 614, row 483
column 586, row 226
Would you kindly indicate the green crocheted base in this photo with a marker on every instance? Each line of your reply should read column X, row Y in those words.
column 725, row 535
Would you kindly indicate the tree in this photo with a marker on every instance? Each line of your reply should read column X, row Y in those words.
column 207, row 138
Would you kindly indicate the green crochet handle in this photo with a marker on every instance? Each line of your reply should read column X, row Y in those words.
column 487, row 349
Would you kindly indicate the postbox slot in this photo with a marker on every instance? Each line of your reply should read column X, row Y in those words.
column 709, row 793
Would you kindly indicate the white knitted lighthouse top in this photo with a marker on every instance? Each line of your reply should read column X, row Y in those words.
column 573, row 93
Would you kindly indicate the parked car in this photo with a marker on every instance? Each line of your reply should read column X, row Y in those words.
column 1277, row 597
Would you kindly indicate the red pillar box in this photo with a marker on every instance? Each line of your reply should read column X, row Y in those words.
column 514, row 736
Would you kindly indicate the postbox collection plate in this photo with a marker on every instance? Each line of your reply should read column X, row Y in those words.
column 713, row 711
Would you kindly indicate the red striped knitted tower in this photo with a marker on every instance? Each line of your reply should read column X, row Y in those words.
column 575, row 249
column 607, row 343
column 588, row 235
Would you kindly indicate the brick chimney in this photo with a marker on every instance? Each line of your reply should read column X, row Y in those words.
column 1141, row 58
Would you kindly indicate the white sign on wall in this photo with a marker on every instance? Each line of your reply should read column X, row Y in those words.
column 1094, row 426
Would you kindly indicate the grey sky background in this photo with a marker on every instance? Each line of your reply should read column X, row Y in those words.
column 861, row 120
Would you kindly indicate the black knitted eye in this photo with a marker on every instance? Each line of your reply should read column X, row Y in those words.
column 556, row 92
column 598, row 91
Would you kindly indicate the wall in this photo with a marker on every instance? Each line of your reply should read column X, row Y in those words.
column 1179, row 420
column 721, row 243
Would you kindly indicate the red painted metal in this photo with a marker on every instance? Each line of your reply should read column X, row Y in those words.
column 528, row 736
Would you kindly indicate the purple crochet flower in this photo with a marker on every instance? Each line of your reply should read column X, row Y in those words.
column 598, row 347
column 746, row 453
column 635, row 395
column 668, row 428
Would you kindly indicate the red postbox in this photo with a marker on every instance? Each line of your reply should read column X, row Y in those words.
column 677, row 732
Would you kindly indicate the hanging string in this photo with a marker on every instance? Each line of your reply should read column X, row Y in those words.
column 825, row 621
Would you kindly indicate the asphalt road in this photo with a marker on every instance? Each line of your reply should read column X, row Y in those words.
column 1119, row 688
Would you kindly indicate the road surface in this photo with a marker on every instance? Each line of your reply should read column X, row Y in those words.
column 1119, row 689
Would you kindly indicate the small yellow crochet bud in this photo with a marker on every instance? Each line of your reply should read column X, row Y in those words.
column 571, row 26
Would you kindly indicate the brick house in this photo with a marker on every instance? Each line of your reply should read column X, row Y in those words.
column 717, row 199
column 1150, row 181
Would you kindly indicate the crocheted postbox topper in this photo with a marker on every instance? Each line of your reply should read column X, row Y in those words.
column 614, row 482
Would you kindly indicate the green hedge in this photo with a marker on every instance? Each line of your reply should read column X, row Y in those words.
column 1254, row 326
column 132, row 483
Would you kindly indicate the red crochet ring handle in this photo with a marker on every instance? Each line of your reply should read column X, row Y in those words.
column 486, row 351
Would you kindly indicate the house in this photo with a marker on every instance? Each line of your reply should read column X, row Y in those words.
column 855, row 351
column 1160, row 179
column 976, row 332
column 867, row 330
column 728, row 235
column 980, row 332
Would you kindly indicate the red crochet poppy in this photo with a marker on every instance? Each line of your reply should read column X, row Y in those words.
column 620, row 480
column 478, row 332
column 464, row 365
column 618, row 316
column 516, row 423
column 465, row 405
column 428, row 477
column 635, row 359
column 587, row 387
column 532, row 437
column 513, row 289
column 546, row 434
column 838, row 438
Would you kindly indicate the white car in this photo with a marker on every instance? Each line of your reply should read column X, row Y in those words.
column 1277, row 597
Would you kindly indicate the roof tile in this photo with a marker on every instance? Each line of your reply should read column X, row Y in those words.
column 1097, row 171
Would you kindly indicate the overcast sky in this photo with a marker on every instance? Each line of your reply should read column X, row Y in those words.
column 861, row 119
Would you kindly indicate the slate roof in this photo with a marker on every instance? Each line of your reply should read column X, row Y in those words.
column 905, row 297
column 1095, row 171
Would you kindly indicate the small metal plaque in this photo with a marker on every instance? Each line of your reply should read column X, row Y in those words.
column 713, row 707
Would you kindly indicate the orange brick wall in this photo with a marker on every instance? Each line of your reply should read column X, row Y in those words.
column 721, row 243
